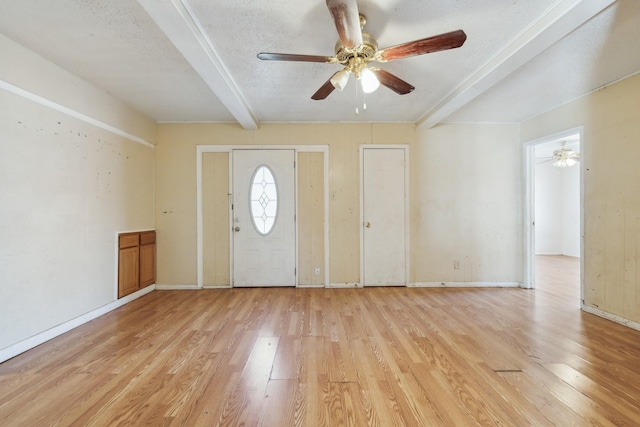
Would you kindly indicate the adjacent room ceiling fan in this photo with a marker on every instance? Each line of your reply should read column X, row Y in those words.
column 356, row 49
column 563, row 157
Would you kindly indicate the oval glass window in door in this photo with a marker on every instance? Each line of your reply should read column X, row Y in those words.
column 263, row 200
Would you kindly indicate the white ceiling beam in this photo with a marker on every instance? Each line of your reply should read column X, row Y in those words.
column 179, row 23
column 563, row 18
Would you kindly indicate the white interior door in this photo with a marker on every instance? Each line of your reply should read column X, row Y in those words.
column 384, row 217
column 264, row 218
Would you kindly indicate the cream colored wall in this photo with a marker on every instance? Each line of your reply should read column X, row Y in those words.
column 466, row 204
column 31, row 72
column 310, row 219
column 465, row 199
column 176, row 188
column 215, row 219
column 610, row 152
column 66, row 188
column 176, row 195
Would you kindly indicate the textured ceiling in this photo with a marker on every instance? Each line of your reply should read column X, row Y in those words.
column 195, row 60
column 598, row 53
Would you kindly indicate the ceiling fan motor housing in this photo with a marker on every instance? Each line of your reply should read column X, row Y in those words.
column 367, row 51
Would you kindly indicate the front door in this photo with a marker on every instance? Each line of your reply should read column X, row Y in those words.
column 263, row 220
column 384, row 217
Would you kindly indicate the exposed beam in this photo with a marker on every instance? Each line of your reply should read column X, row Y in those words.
column 179, row 23
column 555, row 24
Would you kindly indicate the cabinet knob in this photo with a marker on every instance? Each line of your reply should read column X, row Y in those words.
column 367, row 224
column 237, row 229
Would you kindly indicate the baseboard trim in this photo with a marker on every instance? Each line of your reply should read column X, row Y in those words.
column 25, row 345
column 612, row 317
column 344, row 285
column 465, row 285
column 177, row 287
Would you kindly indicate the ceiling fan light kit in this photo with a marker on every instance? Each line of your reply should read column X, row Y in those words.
column 356, row 49
column 369, row 81
column 340, row 79
column 564, row 157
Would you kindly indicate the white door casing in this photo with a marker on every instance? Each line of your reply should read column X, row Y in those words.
column 384, row 216
column 263, row 258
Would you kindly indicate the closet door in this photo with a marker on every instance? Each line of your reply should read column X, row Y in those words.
column 384, row 257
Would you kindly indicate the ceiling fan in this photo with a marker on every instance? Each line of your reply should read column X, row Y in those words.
column 356, row 49
column 563, row 157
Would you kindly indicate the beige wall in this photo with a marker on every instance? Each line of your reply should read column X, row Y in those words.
column 66, row 188
column 31, row 72
column 466, row 204
column 176, row 190
column 311, row 219
column 176, row 196
column 215, row 219
column 465, row 199
column 610, row 153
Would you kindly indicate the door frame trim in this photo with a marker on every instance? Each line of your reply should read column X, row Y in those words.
column 407, row 216
column 201, row 149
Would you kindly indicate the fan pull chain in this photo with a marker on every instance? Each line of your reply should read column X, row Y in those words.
column 356, row 85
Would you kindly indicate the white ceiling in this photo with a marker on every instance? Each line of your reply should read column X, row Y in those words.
column 195, row 60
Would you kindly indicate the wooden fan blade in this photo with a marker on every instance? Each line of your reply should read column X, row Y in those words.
column 324, row 91
column 347, row 19
column 266, row 56
column 437, row 43
column 394, row 83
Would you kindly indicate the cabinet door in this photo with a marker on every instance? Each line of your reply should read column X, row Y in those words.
column 128, row 271
column 147, row 264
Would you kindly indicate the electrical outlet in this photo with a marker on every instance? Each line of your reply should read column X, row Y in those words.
column 317, row 271
column 456, row 264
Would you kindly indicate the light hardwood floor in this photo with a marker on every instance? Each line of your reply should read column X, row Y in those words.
column 382, row 356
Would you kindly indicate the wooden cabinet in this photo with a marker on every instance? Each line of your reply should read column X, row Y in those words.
column 136, row 261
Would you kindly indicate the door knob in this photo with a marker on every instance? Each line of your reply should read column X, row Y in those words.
column 367, row 224
column 237, row 229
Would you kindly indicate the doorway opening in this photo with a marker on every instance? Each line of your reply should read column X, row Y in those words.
column 554, row 214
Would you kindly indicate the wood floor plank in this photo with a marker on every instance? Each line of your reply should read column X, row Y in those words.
column 345, row 405
column 625, row 413
column 334, row 357
column 280, row 407
column 533, row 397
column 245, row 403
